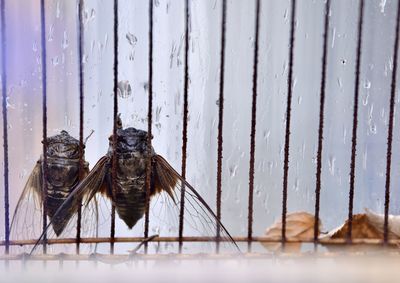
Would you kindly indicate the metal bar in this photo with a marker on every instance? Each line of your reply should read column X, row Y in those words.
column 355, row 119
column 220, row 121
column 288, row 112
column 81, row 113
column 185, row 122
column 121, row 258
column 241, row 239
column 115, row 127
column 390, row 128
column 149, row 124
column 44, row 109
column 321, row 121
column 253, row 126
column 5, row 125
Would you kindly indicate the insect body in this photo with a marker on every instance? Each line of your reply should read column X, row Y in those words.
column 128, row 191
column 63, row 163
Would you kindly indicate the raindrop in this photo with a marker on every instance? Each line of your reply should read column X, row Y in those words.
column 382, row 5
column 233, row 170
column 85, row 59
column 8, row 104
column 51, row 33
column 331, row 164
column 367, row 84
column 343, row 61
column 131, row 39
column 365, row 99
column 372, row 128
column 34, row 46
column 65, row 42
column 365, row 156
column 296, row 185
column 124, row 89
column 55, row 61
column 58, row 10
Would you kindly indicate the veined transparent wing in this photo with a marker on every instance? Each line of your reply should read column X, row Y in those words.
column 82, row 198
column 199, row 220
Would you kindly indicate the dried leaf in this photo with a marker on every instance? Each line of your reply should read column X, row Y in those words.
column 362, row 229
column 377, row 220
column 299, row 225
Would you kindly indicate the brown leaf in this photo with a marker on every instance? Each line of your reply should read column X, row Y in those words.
column 362, row 229
column 299, row 225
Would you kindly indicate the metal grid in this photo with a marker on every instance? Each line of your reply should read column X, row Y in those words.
column 181, row 238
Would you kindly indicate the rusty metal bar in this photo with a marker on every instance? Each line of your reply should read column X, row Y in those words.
column 44, row 109
column 288, row 112
column 321, row 120
column 81, row 113
column 185, row 122
column 5, row 125
column 115, row 127
column 253, row 126
column 241, row 239
column 220, row 121
column 121, row 258
column 149, row 124
column 355, row 119
column 390, row 128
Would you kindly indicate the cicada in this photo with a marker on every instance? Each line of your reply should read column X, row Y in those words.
column 63, row 174
column 127, row 192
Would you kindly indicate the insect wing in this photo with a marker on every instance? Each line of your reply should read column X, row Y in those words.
column 26, row 224
column 83, row 198
column 199, row 220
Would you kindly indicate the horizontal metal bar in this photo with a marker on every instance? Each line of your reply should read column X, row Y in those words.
column 119, row 258
column 203, row 239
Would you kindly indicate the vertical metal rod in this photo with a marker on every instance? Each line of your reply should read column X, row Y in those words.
column 115, row 127
column 390, row 128
column 185, row 122
column 5, row 126
column 220, row 121
column 149, row 121
column 253, row 127
column 321, row 121
column 355, row 119
column 288, row 112
column 44, row 109
column 81, row 114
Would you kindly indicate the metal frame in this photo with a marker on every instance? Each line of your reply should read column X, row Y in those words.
column 181, row 238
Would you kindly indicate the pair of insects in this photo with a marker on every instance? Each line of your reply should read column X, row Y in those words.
column 68, row 187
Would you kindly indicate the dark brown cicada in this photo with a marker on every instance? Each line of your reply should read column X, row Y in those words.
column 128, row 192
column 63, row 174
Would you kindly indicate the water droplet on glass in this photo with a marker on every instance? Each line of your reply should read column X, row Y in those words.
column 331, row 164
column 382, row 5
column 156, row 3
column 58, row 10
column 365, row 99
column 296, row 185
column 131, row 39
column 85, row 59
column 124, row 89
column 65, row 42
column 55, row 61
column 51, row 33
column 34, row 46
column 233, row 170
column 367, row 84
column 8, row 104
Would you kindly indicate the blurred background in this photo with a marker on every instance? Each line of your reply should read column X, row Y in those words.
column 24, row 97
